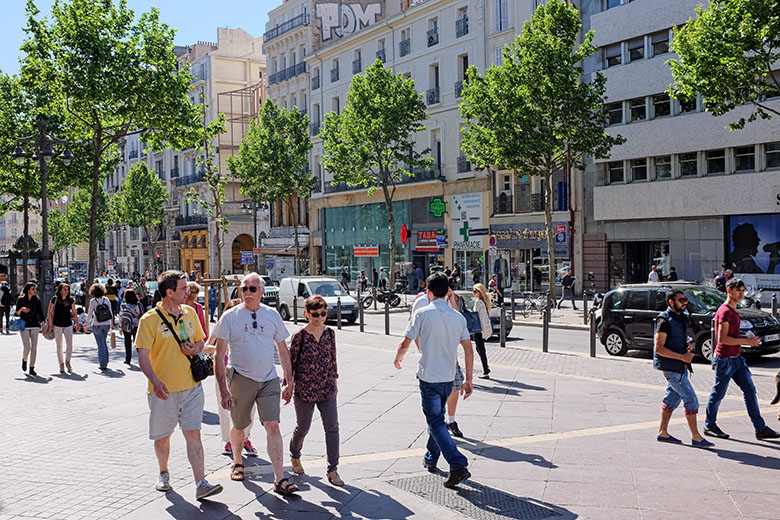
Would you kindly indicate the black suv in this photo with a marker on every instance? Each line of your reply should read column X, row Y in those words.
column 628, row 316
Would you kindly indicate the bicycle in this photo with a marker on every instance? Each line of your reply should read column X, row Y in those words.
column 535, row 302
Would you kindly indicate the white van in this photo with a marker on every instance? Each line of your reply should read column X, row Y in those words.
column 301, row 287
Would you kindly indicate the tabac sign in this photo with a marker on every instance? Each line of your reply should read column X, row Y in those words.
column 336, row 19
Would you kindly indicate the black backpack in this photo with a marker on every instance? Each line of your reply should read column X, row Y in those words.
column 103, row 312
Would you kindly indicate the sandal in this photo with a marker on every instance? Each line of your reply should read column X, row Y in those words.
column 286, row 490
column 235, row 474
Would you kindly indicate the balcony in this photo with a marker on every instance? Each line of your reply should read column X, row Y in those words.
column 315, row 129
column 418, row 175
column 160, row 174
column 133, row 154
column 288, row 73
column 462, row 26
column 405, row 47
column 192, row 220
column 334, row 75
column 432, row 96
column 289, row 25
column 433, row 37
column 191, row 179
column 315, row 82
column 380, row 55
column 502, row 205
column 174, row 173
column 357, row 66
column 459, row 88
column 463, row 165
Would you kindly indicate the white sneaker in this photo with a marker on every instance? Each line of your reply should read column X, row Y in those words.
column 163, row 482
column 206, row 490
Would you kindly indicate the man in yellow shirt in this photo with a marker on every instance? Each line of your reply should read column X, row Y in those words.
column 174, row 396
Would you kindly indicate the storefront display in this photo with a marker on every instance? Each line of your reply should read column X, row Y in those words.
column 753, row 249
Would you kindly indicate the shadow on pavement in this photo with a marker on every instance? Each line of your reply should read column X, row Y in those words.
column 110, row 372
column 34, row 379
column 499, row 453
column 353, row 502
column 73, row 376
column 508, row 387
column 180, row 509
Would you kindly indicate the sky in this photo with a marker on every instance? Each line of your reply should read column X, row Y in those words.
column 193, row 20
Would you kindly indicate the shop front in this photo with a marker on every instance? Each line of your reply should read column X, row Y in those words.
column 195, row 251
column 753, row 249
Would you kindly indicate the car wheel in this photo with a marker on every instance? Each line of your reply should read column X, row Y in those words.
column 615, row 343
column 704, row 347
column 284, row 313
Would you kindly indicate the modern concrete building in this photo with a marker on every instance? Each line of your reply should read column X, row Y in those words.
column 683, row 190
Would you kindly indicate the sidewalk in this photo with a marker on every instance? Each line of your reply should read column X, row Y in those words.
column 548, row 436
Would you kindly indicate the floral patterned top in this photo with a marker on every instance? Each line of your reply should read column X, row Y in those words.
column 314, row 365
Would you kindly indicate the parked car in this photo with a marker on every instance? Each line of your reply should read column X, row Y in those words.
column 495, row 314
column 629, row 312
column 301, row 287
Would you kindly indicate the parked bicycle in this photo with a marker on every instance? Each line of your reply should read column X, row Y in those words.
column 535, row 303
column 381, row 296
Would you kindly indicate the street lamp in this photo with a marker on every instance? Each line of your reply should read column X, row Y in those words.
column 253, row 207
column 43, row 153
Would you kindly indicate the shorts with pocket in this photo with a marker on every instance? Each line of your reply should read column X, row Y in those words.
column 458, row 383
column 248, row 393
column 184, row 408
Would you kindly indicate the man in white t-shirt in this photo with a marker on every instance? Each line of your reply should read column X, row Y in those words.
column 653, row 275
column 254, row 332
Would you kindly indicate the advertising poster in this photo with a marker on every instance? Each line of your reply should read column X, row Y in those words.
column 753, row 249
column 466, row 211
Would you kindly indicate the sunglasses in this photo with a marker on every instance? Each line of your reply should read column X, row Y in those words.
column 682, row 300
column 250, row 288
column 254, row 316
column 322, row 314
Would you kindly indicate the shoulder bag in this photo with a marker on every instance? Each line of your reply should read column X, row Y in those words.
column 202, row 365
column 472, row 321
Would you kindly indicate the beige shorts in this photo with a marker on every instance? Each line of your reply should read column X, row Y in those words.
column 184, row 408
column 247, row 393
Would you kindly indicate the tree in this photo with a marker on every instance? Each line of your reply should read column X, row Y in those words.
column 141, row 203
column 371, row 143
column 532, row 114
column 78, row 216
column 110, row 77
column 272, row 160
column 726, row 54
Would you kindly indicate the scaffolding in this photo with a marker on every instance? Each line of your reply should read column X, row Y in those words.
column 240, row 107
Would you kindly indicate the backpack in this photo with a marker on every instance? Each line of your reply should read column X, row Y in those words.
column 5, row 299
column 103, row 312
column 128, row 321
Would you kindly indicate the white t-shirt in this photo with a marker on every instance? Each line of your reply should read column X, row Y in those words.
column 252, row 340
column 652, row 277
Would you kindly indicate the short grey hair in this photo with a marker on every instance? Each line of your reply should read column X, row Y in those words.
column 259, row 280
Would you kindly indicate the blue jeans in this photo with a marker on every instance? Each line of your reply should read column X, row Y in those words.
column 101, row 332
column 679, row 388
column 727, row 369
column 212, row 310
column 434, row 401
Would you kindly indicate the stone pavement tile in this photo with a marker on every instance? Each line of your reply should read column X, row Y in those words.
column 674, row 499
column 569, row 494
column 607, row 513
column 757, row 505
column 750, row 480
column 564, row 456
column 607, row 474
column 516, row 427
column 684, row 478
column 595, row 442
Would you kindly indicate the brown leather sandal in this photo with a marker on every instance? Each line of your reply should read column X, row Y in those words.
column 284, row 487
column 237, row 472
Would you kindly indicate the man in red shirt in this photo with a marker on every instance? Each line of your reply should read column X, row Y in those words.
column 729, row 364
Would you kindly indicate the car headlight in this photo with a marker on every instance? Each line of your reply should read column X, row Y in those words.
column 745, row 324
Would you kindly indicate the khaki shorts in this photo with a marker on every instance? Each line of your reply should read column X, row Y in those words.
column 247, row 393
column 184, row 408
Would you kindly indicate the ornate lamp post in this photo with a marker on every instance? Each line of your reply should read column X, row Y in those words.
column 253, row 207
column 43, row 153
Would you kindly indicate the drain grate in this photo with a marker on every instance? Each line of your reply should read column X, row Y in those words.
column 475, row 500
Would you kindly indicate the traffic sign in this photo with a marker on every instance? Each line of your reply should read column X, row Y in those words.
column 492, row 241
column 247, row 258
column 256, row 251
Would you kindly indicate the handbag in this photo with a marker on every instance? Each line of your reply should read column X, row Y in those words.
column 48, row 330
column 113, row 339
column 201, row 365
column 16, row 324
column 472, row 321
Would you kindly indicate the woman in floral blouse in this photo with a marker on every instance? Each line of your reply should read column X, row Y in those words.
column 313, row 357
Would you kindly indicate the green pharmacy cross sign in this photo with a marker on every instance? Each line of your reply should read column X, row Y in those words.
column 437, row 207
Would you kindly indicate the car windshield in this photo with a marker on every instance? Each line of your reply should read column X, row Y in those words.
column 327, row 289
column 468, row 298
column 704, row 299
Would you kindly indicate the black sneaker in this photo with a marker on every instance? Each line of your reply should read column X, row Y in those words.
column 34, row 373
column 24, row 366
column 453, row 428
column 767, row 433
column 456, row 477
column 430, row 468
column 714, row 431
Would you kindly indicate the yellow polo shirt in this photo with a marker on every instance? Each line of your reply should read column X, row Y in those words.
column 168, row 362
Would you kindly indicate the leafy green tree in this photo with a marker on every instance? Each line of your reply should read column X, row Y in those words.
column 272, row 160
column 141, row 203
column 532, row 115
column 371, row 143
column 110, row 76
column 78, row 215
column 726, row 54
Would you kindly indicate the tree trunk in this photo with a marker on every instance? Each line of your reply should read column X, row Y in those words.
column 25, row 234
column 150, row 248
column 548, row 199
column 391, row 221
column 96, row 160
column 295, row 234
column 217, row 220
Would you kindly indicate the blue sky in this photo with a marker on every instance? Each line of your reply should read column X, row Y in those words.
column 193, row 20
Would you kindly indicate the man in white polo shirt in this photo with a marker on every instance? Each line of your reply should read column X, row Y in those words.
column 253, row 331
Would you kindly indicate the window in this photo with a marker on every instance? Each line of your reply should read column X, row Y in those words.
column 613, row 3
column 637, row 300
column 499, row 56
column 336, row 105
column 638, row 109
column 502, row 15
column 636, row 49
column 716, row 161
column 660, row 41
column 612, row 55
column 616, row 173
column 662, row 105
column 659, row 301
column 688, row 164
column 687, row 105
column 663, row 167
column 639, row 169
column 745, row 158
column 772, row 151
column 614, row 113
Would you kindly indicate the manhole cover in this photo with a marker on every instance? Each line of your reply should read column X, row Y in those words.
column 475, row 500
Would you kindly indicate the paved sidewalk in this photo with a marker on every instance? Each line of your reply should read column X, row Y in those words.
column 549, row 436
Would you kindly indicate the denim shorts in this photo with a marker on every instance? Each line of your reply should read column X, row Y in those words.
column 679, row 388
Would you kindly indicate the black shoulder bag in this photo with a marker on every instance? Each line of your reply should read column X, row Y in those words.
column 202, row 365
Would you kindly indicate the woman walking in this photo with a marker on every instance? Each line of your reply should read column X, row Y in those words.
column 101, row 318
column 30, row 310
column 61, row 316
column 130, row 313
column 315, row 372
column 112, row 291
column 193, row 289
column 482, row 307
column 5, row 305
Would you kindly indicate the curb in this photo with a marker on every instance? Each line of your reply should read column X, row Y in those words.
column 553, row 325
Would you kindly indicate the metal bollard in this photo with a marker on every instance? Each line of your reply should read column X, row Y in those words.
column 295, row 310
column 338, row 312
column 774, row 305
column 387, row 316
column 592, row 319
column 373, row 291
column 360, row 311
column 512, row 303
column 546, row 327
column 502, row 327
column 585, row 307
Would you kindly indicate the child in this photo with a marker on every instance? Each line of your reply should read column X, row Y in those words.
column 82, row 317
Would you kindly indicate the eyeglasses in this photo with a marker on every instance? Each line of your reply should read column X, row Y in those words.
column 250, row 288
column 254, row 317
column 318, row 314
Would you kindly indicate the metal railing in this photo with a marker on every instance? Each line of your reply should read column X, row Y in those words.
column 133, row 154
column 288, row 73
column 191, row 179
column 192, row 220
column 289, row 25
column 315, row 82
column 459, row 88
column 174, row 173
column 502, row 205
column 334, row 75
column 463, row 165
column 315, row 129
column 462, row 26
column 405, row 47
column 433, row 37
column 357, row 66
column 417, row 175
column 380, row 54
column 432, row 96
